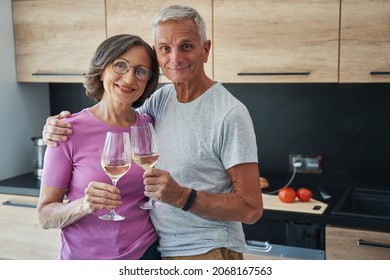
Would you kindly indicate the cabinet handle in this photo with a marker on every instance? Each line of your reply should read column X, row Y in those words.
column 362, row 242
column 273, row 74
column 380, row 73
column 19, row 204
column 262, row 246
column 58, row 74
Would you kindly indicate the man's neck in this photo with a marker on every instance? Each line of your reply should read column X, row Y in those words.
column 189, row 91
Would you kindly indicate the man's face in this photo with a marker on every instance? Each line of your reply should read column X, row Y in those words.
column 180, row 53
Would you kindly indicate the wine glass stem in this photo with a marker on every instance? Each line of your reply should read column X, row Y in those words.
column 112, row 211
column 151, row 201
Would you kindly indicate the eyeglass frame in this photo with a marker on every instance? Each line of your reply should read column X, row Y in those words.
column 136, row 67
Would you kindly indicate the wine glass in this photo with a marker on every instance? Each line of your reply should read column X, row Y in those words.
column 145, row 151
column 116, row 161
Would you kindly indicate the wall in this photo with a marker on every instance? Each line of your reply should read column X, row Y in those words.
column 24, row 107
column 348, row 124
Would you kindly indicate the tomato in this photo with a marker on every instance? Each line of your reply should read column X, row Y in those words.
column 287, row 195
column 304, row 194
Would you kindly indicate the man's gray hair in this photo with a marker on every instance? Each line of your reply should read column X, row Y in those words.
column 178, row 13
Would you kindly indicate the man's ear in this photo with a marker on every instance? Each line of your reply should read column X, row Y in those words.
column 206, row 48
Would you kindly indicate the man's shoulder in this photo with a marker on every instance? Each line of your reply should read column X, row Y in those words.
column 164, row 92
column 165, row 89
column 221, row 93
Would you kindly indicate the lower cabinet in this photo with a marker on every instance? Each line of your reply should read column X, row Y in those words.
column 21, row 237
column 356, row 244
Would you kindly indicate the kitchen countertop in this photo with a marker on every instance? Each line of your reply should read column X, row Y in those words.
column 26, row 184
column 328, row 218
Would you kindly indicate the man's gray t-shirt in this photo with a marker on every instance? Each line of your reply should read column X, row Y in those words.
column 198, row 141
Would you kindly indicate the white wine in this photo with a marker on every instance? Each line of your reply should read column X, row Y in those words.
column 146, row 161
column 144, row 151
column 116, row 169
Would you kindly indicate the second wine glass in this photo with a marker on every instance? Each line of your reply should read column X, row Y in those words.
column 145, row 151
column 116, row 161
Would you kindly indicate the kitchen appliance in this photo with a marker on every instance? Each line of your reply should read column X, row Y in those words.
column 284, row 238
column 364, row 202
column 39, row 154
column 278, row 239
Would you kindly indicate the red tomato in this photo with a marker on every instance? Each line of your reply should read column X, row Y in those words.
column 287, row 194
column 304, row 194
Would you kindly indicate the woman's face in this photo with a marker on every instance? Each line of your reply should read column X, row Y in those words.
column 127, row 87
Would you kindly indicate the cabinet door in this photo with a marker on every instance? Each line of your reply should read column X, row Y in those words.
column 365, row 41
column 276, row 41
column 21, row 237
column 354, row 244
column 55, row 40
column 134, row 17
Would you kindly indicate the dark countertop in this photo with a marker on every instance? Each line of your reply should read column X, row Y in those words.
column 26, row 184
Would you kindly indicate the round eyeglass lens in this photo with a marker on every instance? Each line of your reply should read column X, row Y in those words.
column 120, row 67
column 143, row 73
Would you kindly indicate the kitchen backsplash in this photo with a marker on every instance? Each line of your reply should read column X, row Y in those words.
column 348, row 124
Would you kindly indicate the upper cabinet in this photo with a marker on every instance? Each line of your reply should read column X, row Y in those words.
column 276, row 41
column 365, row 41
column 134, row 17
column 55, row 40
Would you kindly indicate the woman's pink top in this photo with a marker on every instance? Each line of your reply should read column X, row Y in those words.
column 75, row 163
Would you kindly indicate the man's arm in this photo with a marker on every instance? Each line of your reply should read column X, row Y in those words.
column 243, row 204
column 56, row 130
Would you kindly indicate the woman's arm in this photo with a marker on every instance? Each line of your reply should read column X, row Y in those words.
column 53, row 212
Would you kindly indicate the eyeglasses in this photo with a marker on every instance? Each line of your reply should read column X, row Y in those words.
column 121, row 66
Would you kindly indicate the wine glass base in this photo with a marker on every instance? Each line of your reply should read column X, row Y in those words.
column 149, row 205
column 110, row 217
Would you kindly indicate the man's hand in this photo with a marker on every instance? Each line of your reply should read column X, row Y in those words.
column 160, row 186
column 56, row 130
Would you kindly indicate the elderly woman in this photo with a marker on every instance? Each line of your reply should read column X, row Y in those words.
column 122, row 74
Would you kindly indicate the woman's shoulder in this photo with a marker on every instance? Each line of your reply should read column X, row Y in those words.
column 84, row 120
column 84, row 113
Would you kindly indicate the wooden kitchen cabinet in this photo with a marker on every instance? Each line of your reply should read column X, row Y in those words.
column 276, row 41
column 55, row 40
column 356, row 244
column 306, row 41
column 365, row 41
column 134, row 17
column 21, row 237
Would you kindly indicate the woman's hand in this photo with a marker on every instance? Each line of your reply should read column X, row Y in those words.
column 101, row 196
